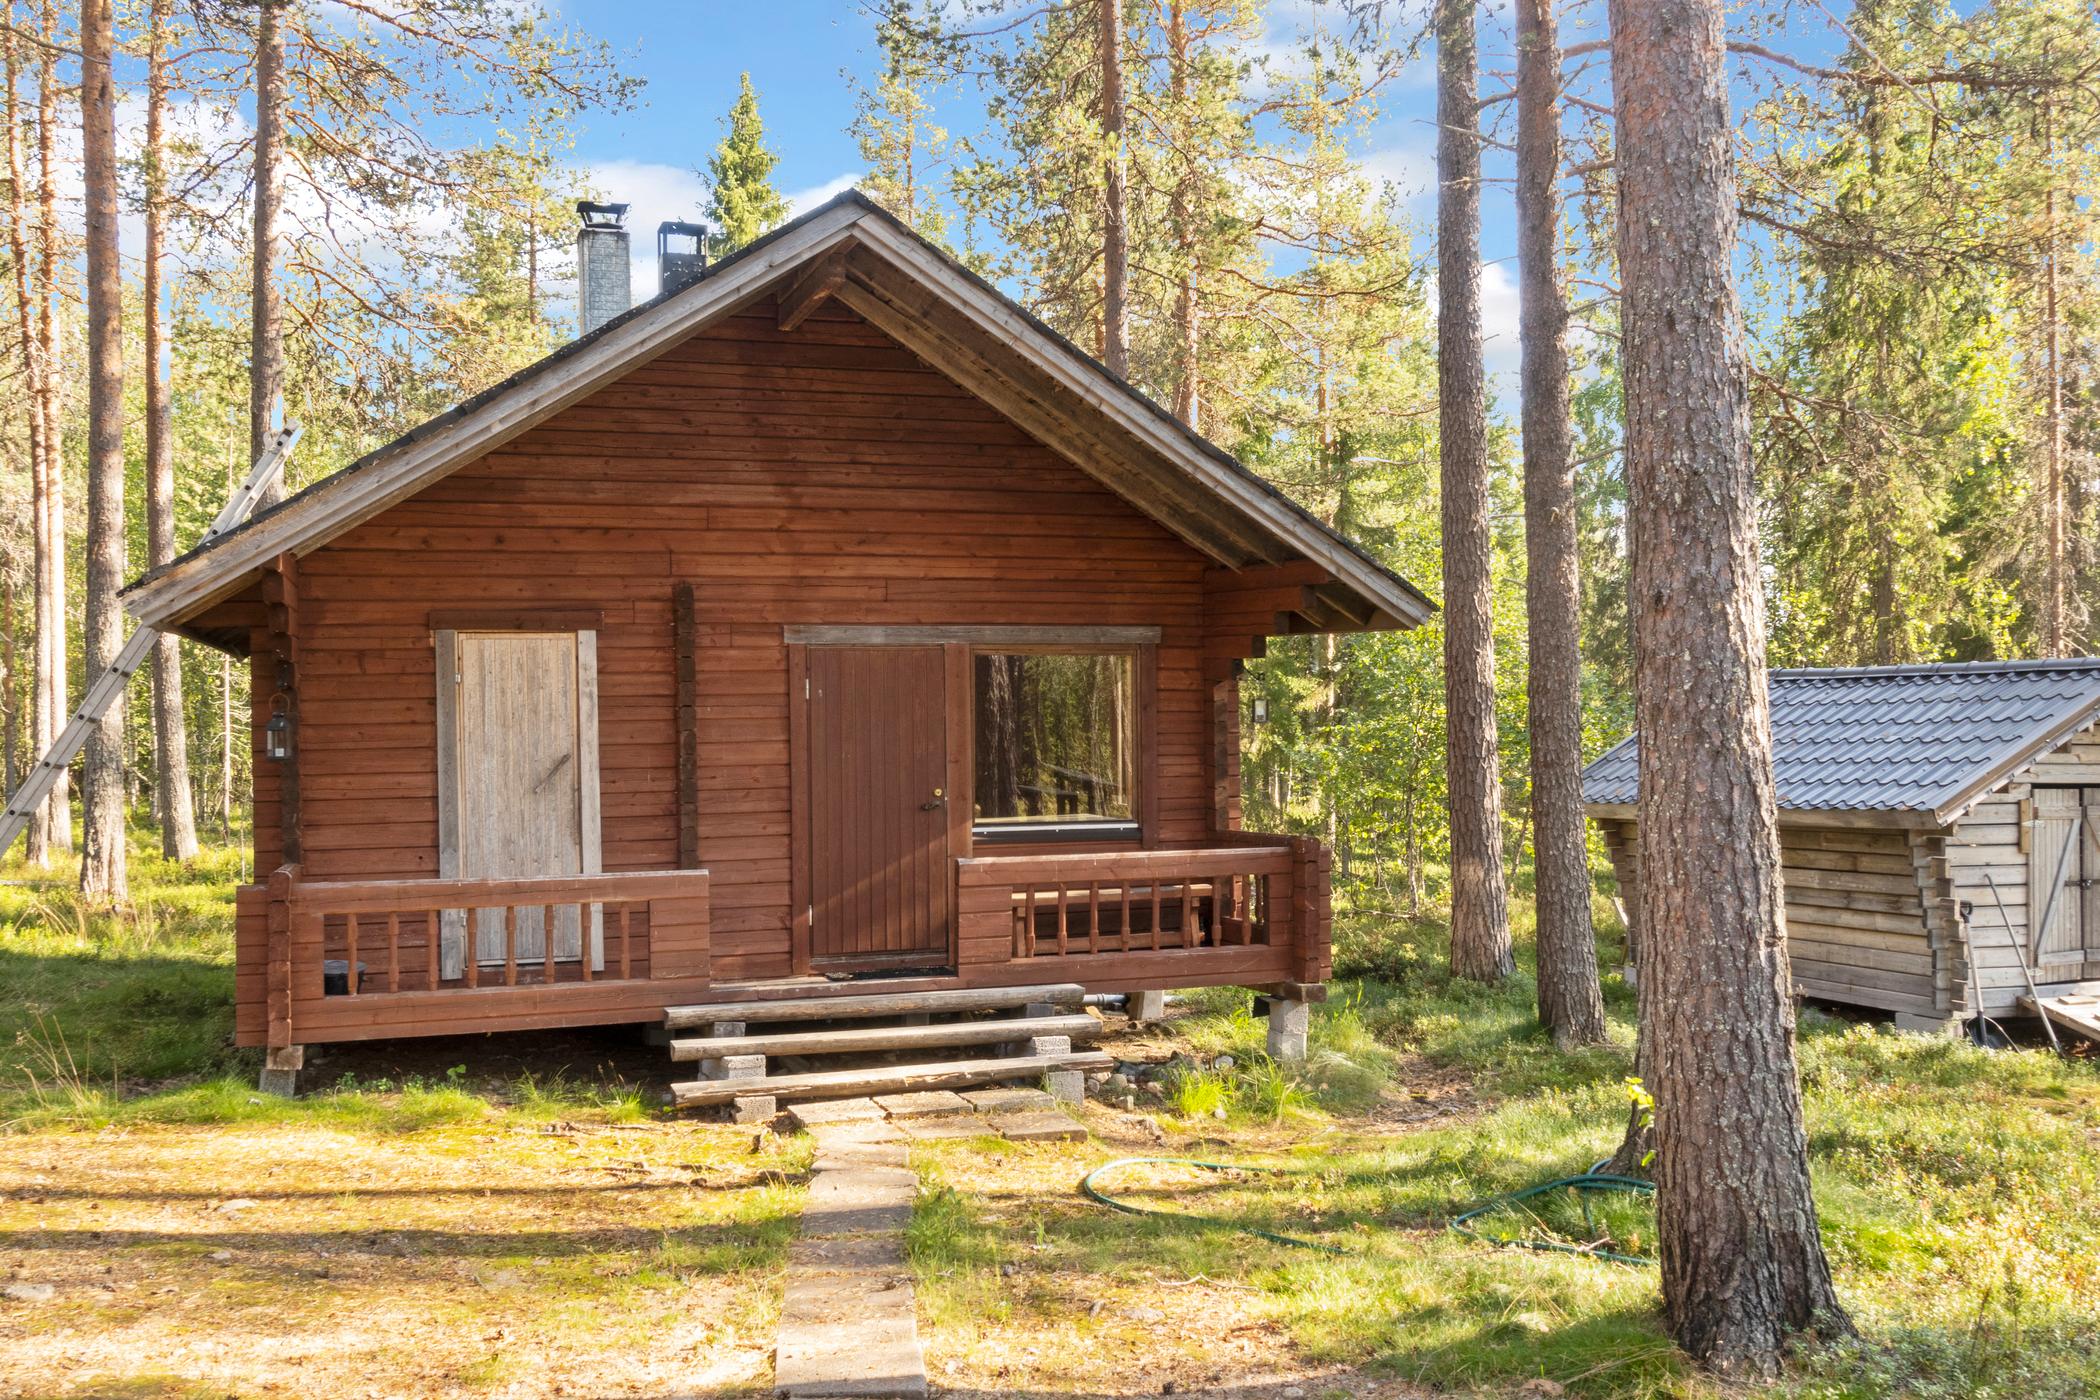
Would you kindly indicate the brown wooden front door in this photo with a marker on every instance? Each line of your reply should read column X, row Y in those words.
column 875, row 776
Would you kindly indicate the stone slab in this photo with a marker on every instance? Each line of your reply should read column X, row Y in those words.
column 837, row 1151
column 922, row 1104
column 809, row 1115
column 848, row 1334
column 847, row 1254
column 1045, row 1126
column 1008, row 1099
column 858, row 1201
column 944, row 1128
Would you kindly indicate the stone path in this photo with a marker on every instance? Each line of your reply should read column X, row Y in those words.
column 848, row 1321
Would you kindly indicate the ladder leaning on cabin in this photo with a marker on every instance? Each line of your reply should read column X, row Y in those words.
column 110, row 684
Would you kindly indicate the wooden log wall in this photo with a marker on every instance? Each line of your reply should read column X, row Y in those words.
column 821, row 475
column 1858, row 931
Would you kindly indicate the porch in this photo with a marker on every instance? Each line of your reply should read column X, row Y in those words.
column 326, row 961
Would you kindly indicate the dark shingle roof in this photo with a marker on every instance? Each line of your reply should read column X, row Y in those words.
column 1897, row 738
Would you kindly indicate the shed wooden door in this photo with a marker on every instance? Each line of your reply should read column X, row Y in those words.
column 2063, row 871
column 521, row 794
column 876, row 761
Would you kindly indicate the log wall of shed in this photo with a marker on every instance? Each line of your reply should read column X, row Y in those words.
column 1858, row 930
column 822, row 475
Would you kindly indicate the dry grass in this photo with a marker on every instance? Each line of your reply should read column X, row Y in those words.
column 499, row 1258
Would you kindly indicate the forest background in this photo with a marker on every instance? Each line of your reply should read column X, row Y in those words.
column 1919, row 267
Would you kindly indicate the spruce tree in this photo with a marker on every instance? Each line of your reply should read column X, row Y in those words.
column 744, row 204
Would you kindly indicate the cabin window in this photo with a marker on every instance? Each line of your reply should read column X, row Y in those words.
column 1055, row 744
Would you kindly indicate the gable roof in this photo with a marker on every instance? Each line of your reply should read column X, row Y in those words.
column 852, row 249
column 1927, row 739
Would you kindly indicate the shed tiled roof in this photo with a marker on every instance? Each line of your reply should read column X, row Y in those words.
column 1897, row 738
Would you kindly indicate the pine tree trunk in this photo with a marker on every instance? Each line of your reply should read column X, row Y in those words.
column 1571, row 1004
column 171, row 778
column 2056, row 636
column 266, row 302
column 1188, row 397
column 102, row 867
column 30, row 705
column 1741, row 1255
column 1115, row 224
column 51, row 554
column 1480, row 944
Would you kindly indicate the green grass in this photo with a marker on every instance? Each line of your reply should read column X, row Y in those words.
column 1958, row 1188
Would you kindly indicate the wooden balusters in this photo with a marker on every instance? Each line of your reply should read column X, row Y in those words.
column 1093, row 916
column 510, row 945
column 584, row 940
column 626, row 957
column 1123, row 930
column 350, row 946
column 548, row 923
column 434, row 950
column 393, row 951
column 1064, row 944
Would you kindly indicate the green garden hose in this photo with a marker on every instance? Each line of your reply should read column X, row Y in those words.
column 1584, row 1183
column 1093, row 1193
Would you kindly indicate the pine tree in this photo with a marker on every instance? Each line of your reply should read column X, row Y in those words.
column 903, row 147
column 102, row 867
column 1742, row 1259
column 1480, row 938
column 742, row 201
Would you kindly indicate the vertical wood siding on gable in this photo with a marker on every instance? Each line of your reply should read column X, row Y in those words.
column 820, row 475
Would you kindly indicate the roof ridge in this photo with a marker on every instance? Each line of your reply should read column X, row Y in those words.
column 2034, row 665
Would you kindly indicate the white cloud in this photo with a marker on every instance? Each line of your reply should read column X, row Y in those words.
column 802, row 201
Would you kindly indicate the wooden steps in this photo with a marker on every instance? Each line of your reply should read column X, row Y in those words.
column 866, row 1038
column 871, row 1004
column 946, row 1041
column 885, row 1079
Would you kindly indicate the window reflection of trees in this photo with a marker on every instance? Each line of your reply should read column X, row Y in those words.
column 1054, row 737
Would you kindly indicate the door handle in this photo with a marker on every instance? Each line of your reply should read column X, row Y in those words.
column 933, row 804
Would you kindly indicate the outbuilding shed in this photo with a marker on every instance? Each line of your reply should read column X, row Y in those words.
column 1939, row 833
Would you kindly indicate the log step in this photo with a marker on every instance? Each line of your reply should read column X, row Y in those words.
column 859, row 1038
column 844, row 1007
column 885, row 1079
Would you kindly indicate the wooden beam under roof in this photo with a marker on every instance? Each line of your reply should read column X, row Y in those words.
column 814, row 287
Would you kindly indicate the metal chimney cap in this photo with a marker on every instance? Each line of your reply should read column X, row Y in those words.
column 678, row 228
column 597, row 215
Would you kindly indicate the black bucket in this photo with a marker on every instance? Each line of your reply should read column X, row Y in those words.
column 335, row 977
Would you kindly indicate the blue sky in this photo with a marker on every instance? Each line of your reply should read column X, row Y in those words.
column 691, row 54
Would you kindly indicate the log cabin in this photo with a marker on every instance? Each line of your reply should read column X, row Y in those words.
column 1939, row 834
column 822, row 631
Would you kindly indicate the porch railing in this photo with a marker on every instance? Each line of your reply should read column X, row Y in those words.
column 336, row 946
column 1259, row 903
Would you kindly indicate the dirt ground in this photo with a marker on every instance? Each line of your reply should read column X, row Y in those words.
column 511, row 1260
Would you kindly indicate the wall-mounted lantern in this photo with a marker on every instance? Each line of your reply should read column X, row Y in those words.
column 277, row 734
column 1261, row 709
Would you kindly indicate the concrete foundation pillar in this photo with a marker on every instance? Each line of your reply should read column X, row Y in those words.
column 280, row 1073
column 1288, row 1023
column 1144, row 1007
column 734, row 1067
column 1066, row 1085
column 753, row 1108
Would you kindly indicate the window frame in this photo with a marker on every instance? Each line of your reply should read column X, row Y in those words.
column 1141, row 828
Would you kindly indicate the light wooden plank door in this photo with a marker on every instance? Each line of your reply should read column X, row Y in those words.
column 2089, row 875
column 880, row 884
column 2056, row 895
column 522, row 787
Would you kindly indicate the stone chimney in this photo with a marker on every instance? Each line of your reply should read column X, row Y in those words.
column 604, row 282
